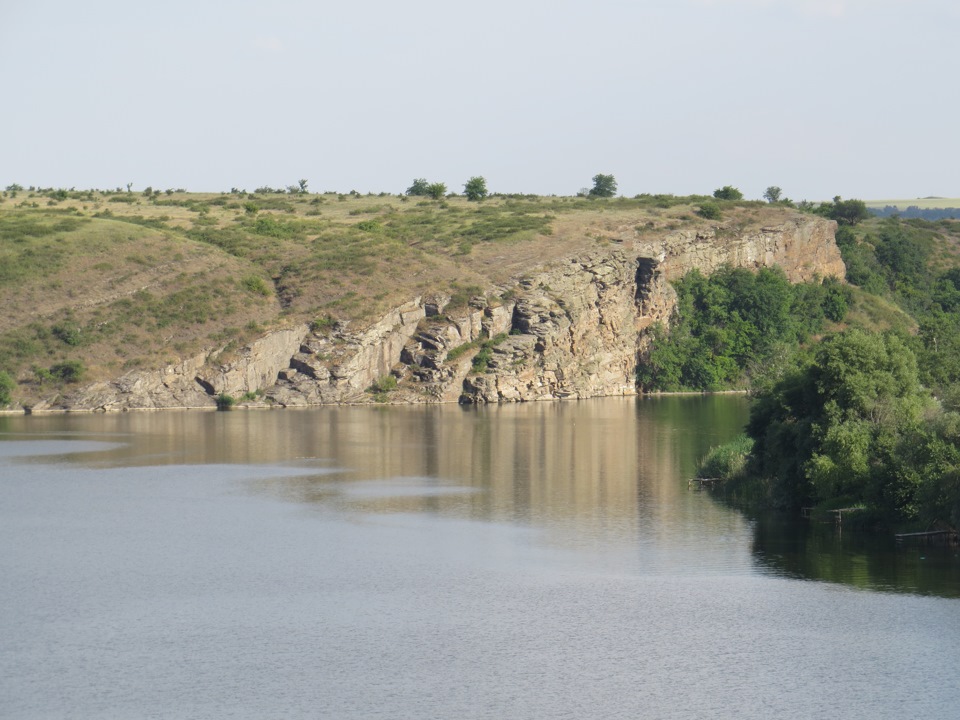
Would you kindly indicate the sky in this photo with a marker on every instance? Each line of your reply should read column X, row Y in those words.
column 856, row 98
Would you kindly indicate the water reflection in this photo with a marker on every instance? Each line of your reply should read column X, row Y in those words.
column 821, row 551
column 603, row 459
column 604, row 473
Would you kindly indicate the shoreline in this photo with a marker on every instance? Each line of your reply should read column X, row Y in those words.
column 22, row 411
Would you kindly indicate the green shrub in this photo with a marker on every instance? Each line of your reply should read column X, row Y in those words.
column 384, row 384
column 225, row 402
column 727, row 192
column 482, row 359
column 69, row 371
column 710, row 211
column 323, row 324
column 727, row 460
column 370, row 226
column 6, row 389
column 460, row 350
column 257, row 285
column 269, row 226
column 68, row 332
column 436, row 190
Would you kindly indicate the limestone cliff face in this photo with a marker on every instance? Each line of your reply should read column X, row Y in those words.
column 572, row 327
column 339, row 367
column 195, row 382
column 804, row 247
column 576, row 328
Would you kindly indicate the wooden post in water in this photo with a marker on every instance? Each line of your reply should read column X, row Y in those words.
column 945, row 536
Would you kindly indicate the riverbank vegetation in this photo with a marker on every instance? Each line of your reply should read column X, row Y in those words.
column 868, row 418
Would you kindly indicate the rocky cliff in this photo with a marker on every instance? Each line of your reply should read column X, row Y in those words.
column 569, row 327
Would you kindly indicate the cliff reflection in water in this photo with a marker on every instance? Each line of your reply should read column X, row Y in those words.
column 609, row 463
column 613, row 464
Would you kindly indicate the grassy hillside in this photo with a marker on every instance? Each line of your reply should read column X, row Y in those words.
column 110, row 281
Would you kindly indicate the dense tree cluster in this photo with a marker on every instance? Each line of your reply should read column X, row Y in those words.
column 853, row 426
column 866, row 419
column 732, row 321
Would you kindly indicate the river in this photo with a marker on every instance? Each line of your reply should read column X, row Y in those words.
column 545, row 560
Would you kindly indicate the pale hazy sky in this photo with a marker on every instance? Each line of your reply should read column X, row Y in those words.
column 859, row 98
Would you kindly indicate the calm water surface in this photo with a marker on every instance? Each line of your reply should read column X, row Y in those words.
column 535, row 561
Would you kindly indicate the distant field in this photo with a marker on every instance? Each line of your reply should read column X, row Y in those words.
column 927, row 203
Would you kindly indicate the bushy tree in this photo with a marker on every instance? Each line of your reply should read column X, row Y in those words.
column 475, row 188
column 418, row 187
column 603, row 186
column 825, row 430
column 709, row 210
column 845, row 212
column 727, row 192
column 69, row 371
column 772, row 194
column 436, row 190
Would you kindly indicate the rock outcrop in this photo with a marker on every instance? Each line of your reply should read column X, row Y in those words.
column 339, row 367
column 572, row 327
column 804, row 247
column 576, row 330
column 195, row 382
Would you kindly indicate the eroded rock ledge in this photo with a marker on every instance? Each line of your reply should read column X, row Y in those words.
column 574, row 327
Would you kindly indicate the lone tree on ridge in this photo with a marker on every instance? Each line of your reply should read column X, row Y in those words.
column 603, row 186
column 772, row 194
column 475, row 188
